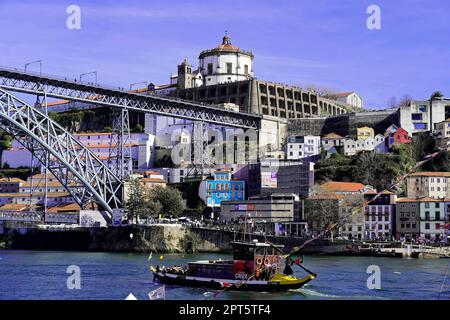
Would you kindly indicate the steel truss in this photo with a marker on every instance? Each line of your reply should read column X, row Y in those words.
column 199, row 157
column 58, row 88
column 120, row 160
column 79, row 170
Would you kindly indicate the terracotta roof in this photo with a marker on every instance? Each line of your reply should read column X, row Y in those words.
column 55, row 103
column 92, row 134
column 12, row 180
column 153, row 180
column 14, row 207
column 67, row 207
column 430, row 174
column 428, row 199
column 383, row 192
column 425, row 199
column 35, row 194
column 332, row 136
column 152, row 172
column 42, row 176
column 42, row 184
column 335, row 186
column 407, row 200
column 326, row 196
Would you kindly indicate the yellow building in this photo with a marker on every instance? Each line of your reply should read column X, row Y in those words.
column 365, row 133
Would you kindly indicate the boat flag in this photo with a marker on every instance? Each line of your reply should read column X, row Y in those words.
column 159, row 293
column 130, row 297
column 225, row 284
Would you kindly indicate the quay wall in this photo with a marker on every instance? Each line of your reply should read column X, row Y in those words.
column 164, row 239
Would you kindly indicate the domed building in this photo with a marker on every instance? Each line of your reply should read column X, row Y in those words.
column 225, row 77
column 225, row 63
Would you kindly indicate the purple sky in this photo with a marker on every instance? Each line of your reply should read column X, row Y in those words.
column 325, row 43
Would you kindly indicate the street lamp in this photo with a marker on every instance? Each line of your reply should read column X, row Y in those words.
column 37, row 61
column 87, row 73
column 142, row 82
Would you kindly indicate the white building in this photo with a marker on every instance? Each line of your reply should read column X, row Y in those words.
column 421, row 116
column 442, row 133
column 353, row 147
column 141, row 145
column 302, row 147
column 351, row 98
column 331, row 141
column 225, row 63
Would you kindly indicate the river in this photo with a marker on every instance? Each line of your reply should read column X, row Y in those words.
column 42, row 275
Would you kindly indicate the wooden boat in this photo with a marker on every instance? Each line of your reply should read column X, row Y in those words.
column 256, row 266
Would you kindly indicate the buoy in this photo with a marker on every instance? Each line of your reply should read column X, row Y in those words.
column 161, row 257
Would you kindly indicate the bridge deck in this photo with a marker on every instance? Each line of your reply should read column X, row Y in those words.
column 35, row 83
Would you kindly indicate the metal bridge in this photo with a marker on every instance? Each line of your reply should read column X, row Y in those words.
column 27, row 82
column 69, row 160
column 62, row 154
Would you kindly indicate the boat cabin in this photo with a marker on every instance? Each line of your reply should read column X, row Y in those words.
column 259, row 259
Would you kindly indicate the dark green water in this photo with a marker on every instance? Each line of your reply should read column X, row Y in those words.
column 42, row 275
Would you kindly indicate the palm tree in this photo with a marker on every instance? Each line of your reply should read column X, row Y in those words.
column 436, row 94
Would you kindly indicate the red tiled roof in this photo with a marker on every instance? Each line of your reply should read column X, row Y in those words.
column 67, row 207
column 430, row 174
column 159, row 180
column 332, row 136
column 424, row 199
column 335, row 186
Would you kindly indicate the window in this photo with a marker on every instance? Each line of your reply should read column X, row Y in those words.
column 229, row 67
column 420, row 126
column 246, row 69
column 210, row 68
column 427, row 226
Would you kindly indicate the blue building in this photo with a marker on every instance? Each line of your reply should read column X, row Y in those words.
column 222, row 188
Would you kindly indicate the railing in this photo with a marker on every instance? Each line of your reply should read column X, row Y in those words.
column 23, row 216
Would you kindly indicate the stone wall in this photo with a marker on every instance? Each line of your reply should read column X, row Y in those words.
column 163, row 239
column 344, row 125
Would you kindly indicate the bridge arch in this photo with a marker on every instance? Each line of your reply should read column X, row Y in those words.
column 80, row 171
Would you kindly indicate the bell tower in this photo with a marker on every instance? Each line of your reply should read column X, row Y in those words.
column 185, row 75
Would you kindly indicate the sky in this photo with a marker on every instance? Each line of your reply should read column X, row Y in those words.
column 301, row 42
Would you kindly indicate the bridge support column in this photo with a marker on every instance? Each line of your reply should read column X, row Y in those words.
column 150, row 123
column 120, row 160
column 199, row 142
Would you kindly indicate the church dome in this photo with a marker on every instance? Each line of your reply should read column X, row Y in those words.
column 225, row 46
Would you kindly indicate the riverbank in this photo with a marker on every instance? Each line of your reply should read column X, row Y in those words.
column 180, row 239
column 154, row 238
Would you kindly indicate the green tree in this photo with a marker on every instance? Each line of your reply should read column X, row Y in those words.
column 170, row 200
column 137, row 200
column 107, row 129
column 5, row 143
column 436, row 94
column 138, row 128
